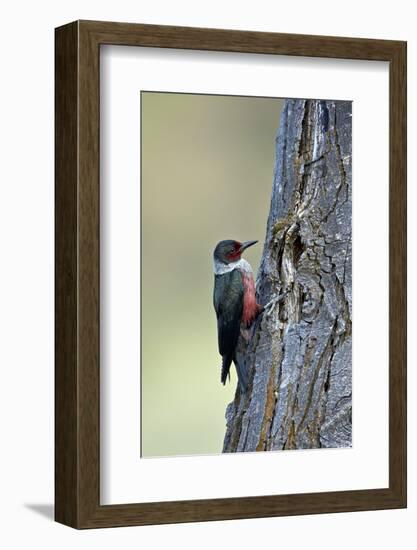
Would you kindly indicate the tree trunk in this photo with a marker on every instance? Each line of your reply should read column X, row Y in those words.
column 299, row 352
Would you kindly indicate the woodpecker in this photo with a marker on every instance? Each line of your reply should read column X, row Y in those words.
column 234, row 302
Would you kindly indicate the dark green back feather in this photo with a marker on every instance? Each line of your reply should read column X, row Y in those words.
column 228, row 303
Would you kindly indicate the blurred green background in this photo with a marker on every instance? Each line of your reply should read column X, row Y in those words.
column 207, row 168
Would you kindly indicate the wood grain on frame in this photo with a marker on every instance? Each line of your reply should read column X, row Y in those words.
column 77, row 361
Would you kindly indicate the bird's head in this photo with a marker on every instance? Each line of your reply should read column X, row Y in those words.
column 230, row 251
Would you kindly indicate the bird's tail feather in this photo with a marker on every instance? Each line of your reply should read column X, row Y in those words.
column 226, row 362
column 241, row 369
column 242, row 375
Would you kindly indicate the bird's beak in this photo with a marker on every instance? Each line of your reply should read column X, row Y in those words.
column 246, row 245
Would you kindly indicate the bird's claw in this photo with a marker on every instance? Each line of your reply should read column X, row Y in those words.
column 269, row 307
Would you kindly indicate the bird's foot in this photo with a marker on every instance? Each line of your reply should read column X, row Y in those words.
column 270, row 306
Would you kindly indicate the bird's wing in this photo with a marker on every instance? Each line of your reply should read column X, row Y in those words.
column 228, row 303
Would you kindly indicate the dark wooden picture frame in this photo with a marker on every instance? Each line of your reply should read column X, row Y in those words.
column 77, row 372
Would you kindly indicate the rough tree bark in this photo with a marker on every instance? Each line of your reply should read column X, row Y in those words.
column 299, row 354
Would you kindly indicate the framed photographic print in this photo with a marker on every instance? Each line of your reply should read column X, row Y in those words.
column 230, row 274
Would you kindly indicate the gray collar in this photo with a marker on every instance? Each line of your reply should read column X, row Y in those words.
column 220, row 268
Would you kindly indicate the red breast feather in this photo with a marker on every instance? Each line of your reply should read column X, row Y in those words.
column 250, row 308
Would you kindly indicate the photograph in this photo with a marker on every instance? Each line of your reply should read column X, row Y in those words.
column 246, row 274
